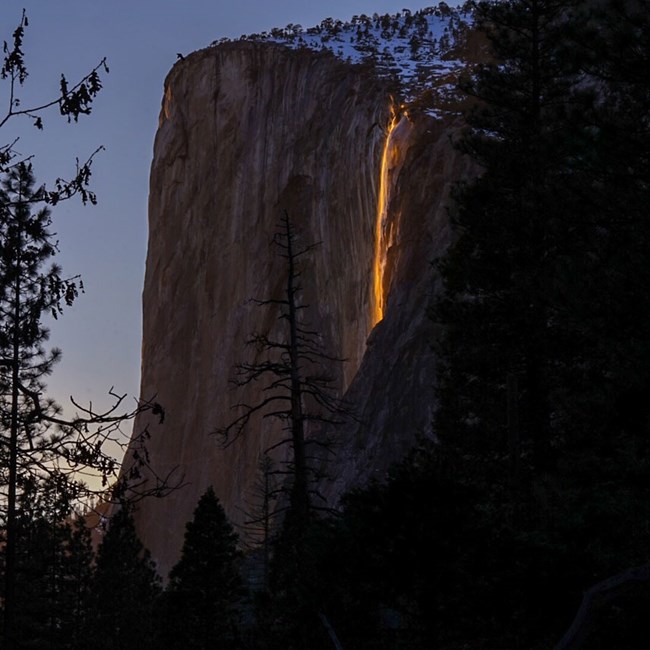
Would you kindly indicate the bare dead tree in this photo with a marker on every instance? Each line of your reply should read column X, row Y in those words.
column 258, row 527
column 297, row 381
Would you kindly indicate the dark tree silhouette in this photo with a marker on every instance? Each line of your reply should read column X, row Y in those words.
column 78, row 562
column 297, row 391
column 72, row 101
column 297, row 383
column 544, row 359
column 39, row 447
column 259, row 526
column 124, row 590
column 205, row 587
column 502, row 301
column 53, row 566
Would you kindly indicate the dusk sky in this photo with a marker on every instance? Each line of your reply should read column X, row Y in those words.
column 100, row 335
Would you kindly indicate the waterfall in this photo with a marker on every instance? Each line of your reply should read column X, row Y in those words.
column 384, row 232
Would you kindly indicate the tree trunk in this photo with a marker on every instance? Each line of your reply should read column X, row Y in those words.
column 10, row 546
column 299, row 492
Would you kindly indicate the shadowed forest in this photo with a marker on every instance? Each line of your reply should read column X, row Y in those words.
column 521, row 522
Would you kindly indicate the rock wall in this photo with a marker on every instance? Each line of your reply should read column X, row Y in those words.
column 393, row 390
column 246, row 131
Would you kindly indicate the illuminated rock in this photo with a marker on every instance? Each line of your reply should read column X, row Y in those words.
column 248, row 130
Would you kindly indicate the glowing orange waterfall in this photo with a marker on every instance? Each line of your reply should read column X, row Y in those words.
column 381, row 234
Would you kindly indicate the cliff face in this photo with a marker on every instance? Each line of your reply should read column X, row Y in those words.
column 393, row 390
column 246, row 131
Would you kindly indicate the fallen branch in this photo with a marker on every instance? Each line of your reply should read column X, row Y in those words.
column 595, row 599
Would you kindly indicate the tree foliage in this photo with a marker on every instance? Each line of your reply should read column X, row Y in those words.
column 72, row 101
column 205, row 587
column 545, row 357
column 124, row 589
column 40, row 449
column 542, row 281
column 53, row 564
column 536, row 492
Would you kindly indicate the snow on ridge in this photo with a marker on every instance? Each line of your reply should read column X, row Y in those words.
column 416, row 50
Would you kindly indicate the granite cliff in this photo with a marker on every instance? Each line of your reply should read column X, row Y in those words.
column 247, row 130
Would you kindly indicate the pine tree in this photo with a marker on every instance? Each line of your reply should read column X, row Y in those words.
column 205, row 587
column 72, row 101
column 124, row 590
column 76, row 582
column 38, row 570
column 53, row 566
column 506, row 276
column 28, row 291
column 298, row 386
column 544, row 360
column 543, row 303
column 613, row 49
column 38, row 446
column 258, row 528
column 40, row 449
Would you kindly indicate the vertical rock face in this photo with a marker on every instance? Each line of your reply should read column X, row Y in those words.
column 248, row 130
column 393, row 390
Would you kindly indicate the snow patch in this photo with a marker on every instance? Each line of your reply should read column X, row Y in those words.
column 416, row 51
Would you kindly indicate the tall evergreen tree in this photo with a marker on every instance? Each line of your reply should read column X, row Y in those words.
column 75, row 585
column 501, row 276
column 39, row 449
column 545, row 353
column 53, row 566
column 205, row 588
column 124, row 590
column 613, row 48
column 28, row 291
column 39, row 559
column 544, row 286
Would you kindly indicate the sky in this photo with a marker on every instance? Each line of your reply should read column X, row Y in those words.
column 100, row 335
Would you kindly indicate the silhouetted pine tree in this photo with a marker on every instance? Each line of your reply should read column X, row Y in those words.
column 543, row 303
column 403, row 565
column 39, row 559
column 613, row 48
column 298, row 386
column 503, row 276
column 41, row 450
column 53, row 567
column 545, row 355
column 200, row 604
column 124, row 590
column 76, row 582
column 28, row 291
column 38, row 448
